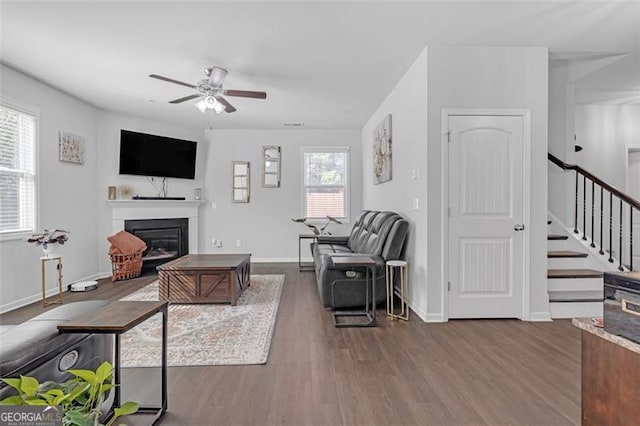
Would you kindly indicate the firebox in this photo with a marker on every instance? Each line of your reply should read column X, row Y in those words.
column 166, row 239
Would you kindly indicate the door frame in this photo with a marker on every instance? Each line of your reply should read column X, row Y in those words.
column 525, row 114
column 628, row 148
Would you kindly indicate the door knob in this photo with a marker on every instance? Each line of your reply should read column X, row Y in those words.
column 518, row 227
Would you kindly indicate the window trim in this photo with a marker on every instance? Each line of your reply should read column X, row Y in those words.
column 347, row 179
column 25, row 108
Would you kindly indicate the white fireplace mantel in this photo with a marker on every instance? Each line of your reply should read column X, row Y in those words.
column 122, row 210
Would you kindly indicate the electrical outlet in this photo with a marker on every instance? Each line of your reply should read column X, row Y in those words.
column 218, row 243
column 238, row 243
column 213, row 242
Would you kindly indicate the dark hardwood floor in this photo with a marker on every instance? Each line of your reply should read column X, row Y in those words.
column 462, row 372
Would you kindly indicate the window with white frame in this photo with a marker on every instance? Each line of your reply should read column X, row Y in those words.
column 325, row 182
column 18, row 130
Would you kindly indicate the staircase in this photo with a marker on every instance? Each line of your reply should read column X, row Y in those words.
column 601, row 238
column 574, row 277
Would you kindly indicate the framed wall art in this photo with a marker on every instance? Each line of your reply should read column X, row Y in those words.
column 382, row 151
column 70, row 148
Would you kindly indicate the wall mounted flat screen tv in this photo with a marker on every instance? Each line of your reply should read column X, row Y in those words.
column 151, row 155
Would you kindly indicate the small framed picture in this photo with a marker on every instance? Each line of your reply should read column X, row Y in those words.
column 70, row 148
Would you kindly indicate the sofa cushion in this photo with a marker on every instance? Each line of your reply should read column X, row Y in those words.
column 125, row 243
column 38, row 338
column 380, row 235
column 373, row 235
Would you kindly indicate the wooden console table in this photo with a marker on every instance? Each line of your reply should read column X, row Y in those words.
column 205, row 278
column 610, row 374
column 117, row 318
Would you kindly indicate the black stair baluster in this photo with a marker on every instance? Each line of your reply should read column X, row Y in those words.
column 630, row 237
column 593, row 212
column 620, row 268
column 611, row 227
column 575, row 228
column 584, row 208
column 601, row 220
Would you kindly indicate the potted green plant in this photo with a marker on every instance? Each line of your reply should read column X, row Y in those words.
column 317, row 231
column 80, row 398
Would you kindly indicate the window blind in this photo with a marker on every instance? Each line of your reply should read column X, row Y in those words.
column 325, row 183
column 17, row 170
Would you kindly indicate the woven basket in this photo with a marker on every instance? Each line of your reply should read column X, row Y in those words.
column 125, row 266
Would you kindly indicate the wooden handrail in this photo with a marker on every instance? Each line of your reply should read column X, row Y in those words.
column 615, row 191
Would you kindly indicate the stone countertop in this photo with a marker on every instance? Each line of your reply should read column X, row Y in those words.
column 587, row 325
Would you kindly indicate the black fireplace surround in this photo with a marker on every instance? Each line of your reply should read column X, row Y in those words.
column 166, row 239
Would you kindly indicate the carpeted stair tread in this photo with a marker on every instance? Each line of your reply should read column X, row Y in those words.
column 557, row 237
column 573, row 273
column 565, row 253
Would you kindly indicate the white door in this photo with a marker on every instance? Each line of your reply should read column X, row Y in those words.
column 633, row 183
column 486, row 200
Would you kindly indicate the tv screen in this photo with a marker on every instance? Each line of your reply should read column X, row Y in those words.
column 151, row 155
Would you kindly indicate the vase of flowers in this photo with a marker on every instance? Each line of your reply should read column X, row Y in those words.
column 49, row 240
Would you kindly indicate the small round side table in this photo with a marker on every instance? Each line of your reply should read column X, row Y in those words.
column 397, row 268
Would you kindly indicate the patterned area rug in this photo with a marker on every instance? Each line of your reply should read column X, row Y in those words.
column 211, row 334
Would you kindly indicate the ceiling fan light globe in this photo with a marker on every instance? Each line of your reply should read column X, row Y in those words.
column 218, row 108
column 201, row 106
column 210, row 102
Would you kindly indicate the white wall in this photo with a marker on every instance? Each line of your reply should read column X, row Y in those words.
column 561, row 184
column 109, row 125
column 488, row 78
column 264, row 224
column 407, row 103
column 67, row 196
column 605, row 131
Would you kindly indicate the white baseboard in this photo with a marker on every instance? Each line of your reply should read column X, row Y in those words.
column 279, row 260
column 49, row 292
column 433, row 318
column 541, row 316
column 29, row 299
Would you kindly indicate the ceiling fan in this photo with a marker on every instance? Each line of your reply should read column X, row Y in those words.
column 210, row 90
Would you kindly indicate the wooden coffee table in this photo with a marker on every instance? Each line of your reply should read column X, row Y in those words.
column 205, row 278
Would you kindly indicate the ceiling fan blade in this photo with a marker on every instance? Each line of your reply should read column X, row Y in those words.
column 217, row 76
column 186, row 98
column 227, row 106
column 170, row 80
column 246, row 94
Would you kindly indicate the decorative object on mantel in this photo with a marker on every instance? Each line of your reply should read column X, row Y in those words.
column 126, row 255
column 49, row 239
column 70, row 148
column 125, row 191
column 314, row 229
column 112, row 193
column 382, row 151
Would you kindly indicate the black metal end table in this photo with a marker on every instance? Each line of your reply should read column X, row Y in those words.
column 353, row 262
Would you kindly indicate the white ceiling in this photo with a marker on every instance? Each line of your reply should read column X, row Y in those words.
column 327, row 64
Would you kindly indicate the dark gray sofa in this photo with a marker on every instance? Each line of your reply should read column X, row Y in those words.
column 35, row 348
column 381, row 235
